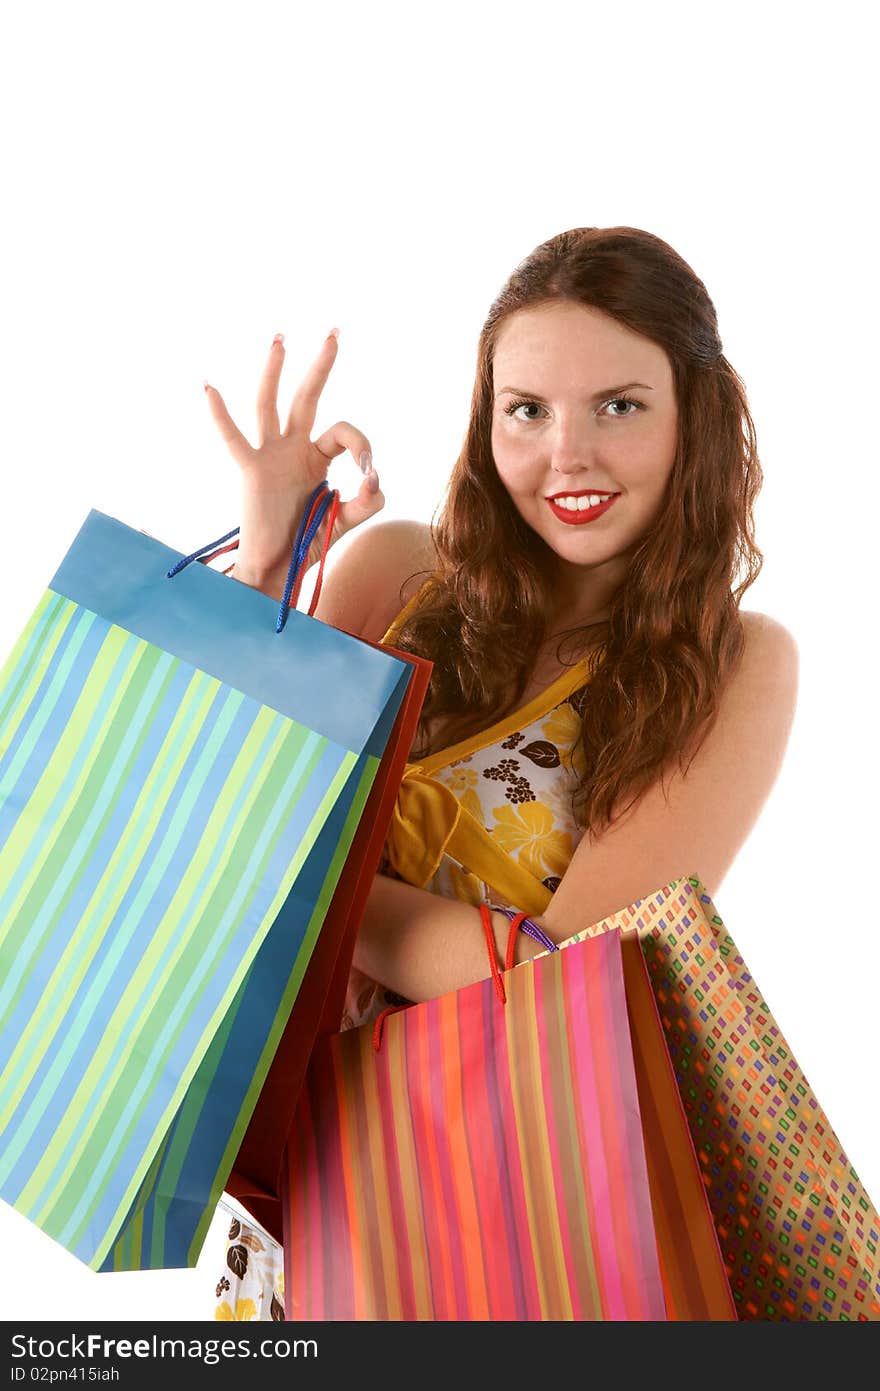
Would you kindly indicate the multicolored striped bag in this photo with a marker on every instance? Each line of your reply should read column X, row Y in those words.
column 489, row 1160
column 180, row 782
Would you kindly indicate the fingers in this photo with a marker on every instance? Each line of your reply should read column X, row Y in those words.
column 267, row 396
column 365, row 504
column 342, row 436
column 304, row 406
column 238, row 446
column 369, row 498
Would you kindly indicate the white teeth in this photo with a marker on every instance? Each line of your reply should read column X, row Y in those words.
column 580, row 504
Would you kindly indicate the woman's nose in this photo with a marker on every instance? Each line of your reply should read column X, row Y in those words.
column 571, row 450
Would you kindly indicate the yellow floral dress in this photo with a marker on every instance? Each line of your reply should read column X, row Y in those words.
column 486, row 820
column 251, row 1284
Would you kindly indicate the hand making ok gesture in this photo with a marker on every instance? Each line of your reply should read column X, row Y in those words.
column 287, row 465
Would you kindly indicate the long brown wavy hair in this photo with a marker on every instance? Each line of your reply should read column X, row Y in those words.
column 674, row 632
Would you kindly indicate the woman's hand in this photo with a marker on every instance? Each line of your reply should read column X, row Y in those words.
column 287, row 466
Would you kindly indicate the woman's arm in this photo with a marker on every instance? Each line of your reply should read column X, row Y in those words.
column 422, row 945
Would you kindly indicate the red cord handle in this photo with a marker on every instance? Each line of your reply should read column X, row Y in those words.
column 380, row 1024
column 510, row 960
column 331, row 519
column 489, row 933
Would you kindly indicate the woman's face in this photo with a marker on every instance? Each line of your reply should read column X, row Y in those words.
column 563, row 438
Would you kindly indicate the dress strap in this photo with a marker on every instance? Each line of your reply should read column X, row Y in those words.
column 390, row 635
column 558, row 691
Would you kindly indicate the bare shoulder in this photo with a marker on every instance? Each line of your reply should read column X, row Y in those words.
column 765, row 625
column 372, row 573
column 769, row 645
column 404, row 557
column 763, row 687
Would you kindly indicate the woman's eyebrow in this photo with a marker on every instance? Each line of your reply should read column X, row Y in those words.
column 596, row 396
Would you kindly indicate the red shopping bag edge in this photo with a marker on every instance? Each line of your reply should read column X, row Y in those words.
column 256, row 1177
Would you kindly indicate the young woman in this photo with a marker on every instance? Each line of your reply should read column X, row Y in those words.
column 602, row 716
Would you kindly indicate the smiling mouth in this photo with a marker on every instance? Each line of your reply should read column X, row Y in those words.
column 576, row 508
column 580, row 500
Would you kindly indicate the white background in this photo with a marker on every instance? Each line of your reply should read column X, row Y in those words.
column 183, row 180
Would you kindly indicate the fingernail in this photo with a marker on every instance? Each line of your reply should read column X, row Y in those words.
column 206, row 385
column 366, row 461
column 334, row 333
column 279, row 338
column 373, row 481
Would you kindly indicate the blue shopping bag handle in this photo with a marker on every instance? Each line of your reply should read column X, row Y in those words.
column 304, row 538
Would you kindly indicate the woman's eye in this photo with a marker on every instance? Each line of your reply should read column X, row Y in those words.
column 624, row 401
column 523, row 405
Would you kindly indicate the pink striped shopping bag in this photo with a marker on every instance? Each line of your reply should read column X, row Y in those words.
column 487, row 1162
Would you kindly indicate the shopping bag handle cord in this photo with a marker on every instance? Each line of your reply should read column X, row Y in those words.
column 321, row 500
column 517, row 921
column 196, row 555
column 321, row 507
column 380, row 1024
column 318, row 502
column 526, row 925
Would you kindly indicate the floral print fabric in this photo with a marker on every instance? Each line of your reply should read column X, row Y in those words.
column 521, row 790
column 251, row 1284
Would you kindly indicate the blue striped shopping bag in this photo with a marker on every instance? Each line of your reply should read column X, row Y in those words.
column 179, row 785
